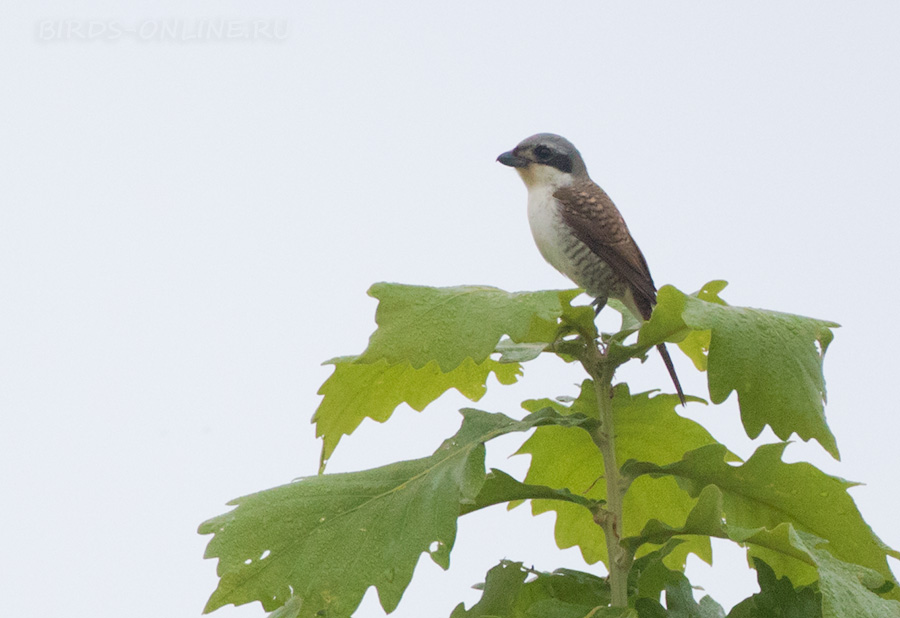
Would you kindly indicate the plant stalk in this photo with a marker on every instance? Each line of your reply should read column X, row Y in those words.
column 610, row 516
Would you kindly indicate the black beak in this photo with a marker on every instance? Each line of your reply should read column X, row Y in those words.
column 512, row 160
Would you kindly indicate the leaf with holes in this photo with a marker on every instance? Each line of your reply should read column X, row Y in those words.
column 326, row 539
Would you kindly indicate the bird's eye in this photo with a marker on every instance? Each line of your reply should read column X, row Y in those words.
column 542, row 153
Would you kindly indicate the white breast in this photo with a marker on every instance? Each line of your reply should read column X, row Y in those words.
column 547, row 226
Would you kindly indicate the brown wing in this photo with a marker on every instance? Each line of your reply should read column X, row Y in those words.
column 596, row 221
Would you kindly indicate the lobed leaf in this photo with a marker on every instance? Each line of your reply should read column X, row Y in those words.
column 564, row 593
column 649, row 576
column 777, row 598
column 707, row 518
column 430, row 340
column 358, row 390
column 773, row 360
column 695, row 344
column 645, row 426
column 501, row 589
column 847, row 589
column 499, row 487
column 680, row 603
column 325, row 539
column 512, row 352
column 765, row 492
column 844, row 589
column 418, row 324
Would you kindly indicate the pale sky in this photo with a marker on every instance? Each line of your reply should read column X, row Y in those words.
column 190, row 220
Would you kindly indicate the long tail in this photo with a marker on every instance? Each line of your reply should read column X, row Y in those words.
column 668, row 361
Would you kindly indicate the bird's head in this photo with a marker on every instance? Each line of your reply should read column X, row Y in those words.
column 546, row 160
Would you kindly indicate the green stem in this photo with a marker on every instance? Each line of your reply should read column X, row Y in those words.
column 609, row 517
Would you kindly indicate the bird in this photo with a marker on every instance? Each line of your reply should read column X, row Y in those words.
column 580, row 232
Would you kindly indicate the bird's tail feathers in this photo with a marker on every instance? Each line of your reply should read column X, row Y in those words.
column 671, row 367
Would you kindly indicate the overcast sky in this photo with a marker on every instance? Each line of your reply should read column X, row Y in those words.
column 191, row 217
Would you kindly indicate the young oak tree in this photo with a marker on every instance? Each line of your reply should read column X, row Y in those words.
column 314, row 546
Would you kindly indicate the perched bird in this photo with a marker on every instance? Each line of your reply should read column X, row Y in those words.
column 580, row 232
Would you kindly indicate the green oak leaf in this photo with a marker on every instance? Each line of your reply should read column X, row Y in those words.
column 765, row 492
column 629, row 322
column 564, row 593
column 430, row 340
column 667, row 325
column 418, row 324
column 291, row 609
column 565, row 590
column 358, row 390
column 554, row 608
column 512, row 352
column 326, row 539
column 847, row 589
column 667, row 322
column 645, row 426
column 773, row 360
column 680, row 601
column 777, row 598
column 649, row 575
column 501, row 589
column 650, row 608
column 707, row 518
column 499, row 487
column 695, row 345
column 581, row 318
column 843, row 589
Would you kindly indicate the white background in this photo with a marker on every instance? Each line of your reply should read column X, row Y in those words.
column 189, row 228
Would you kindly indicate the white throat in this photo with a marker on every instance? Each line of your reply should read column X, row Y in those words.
column 537, row 176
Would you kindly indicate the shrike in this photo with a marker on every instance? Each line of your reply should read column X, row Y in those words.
column 580, row 232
